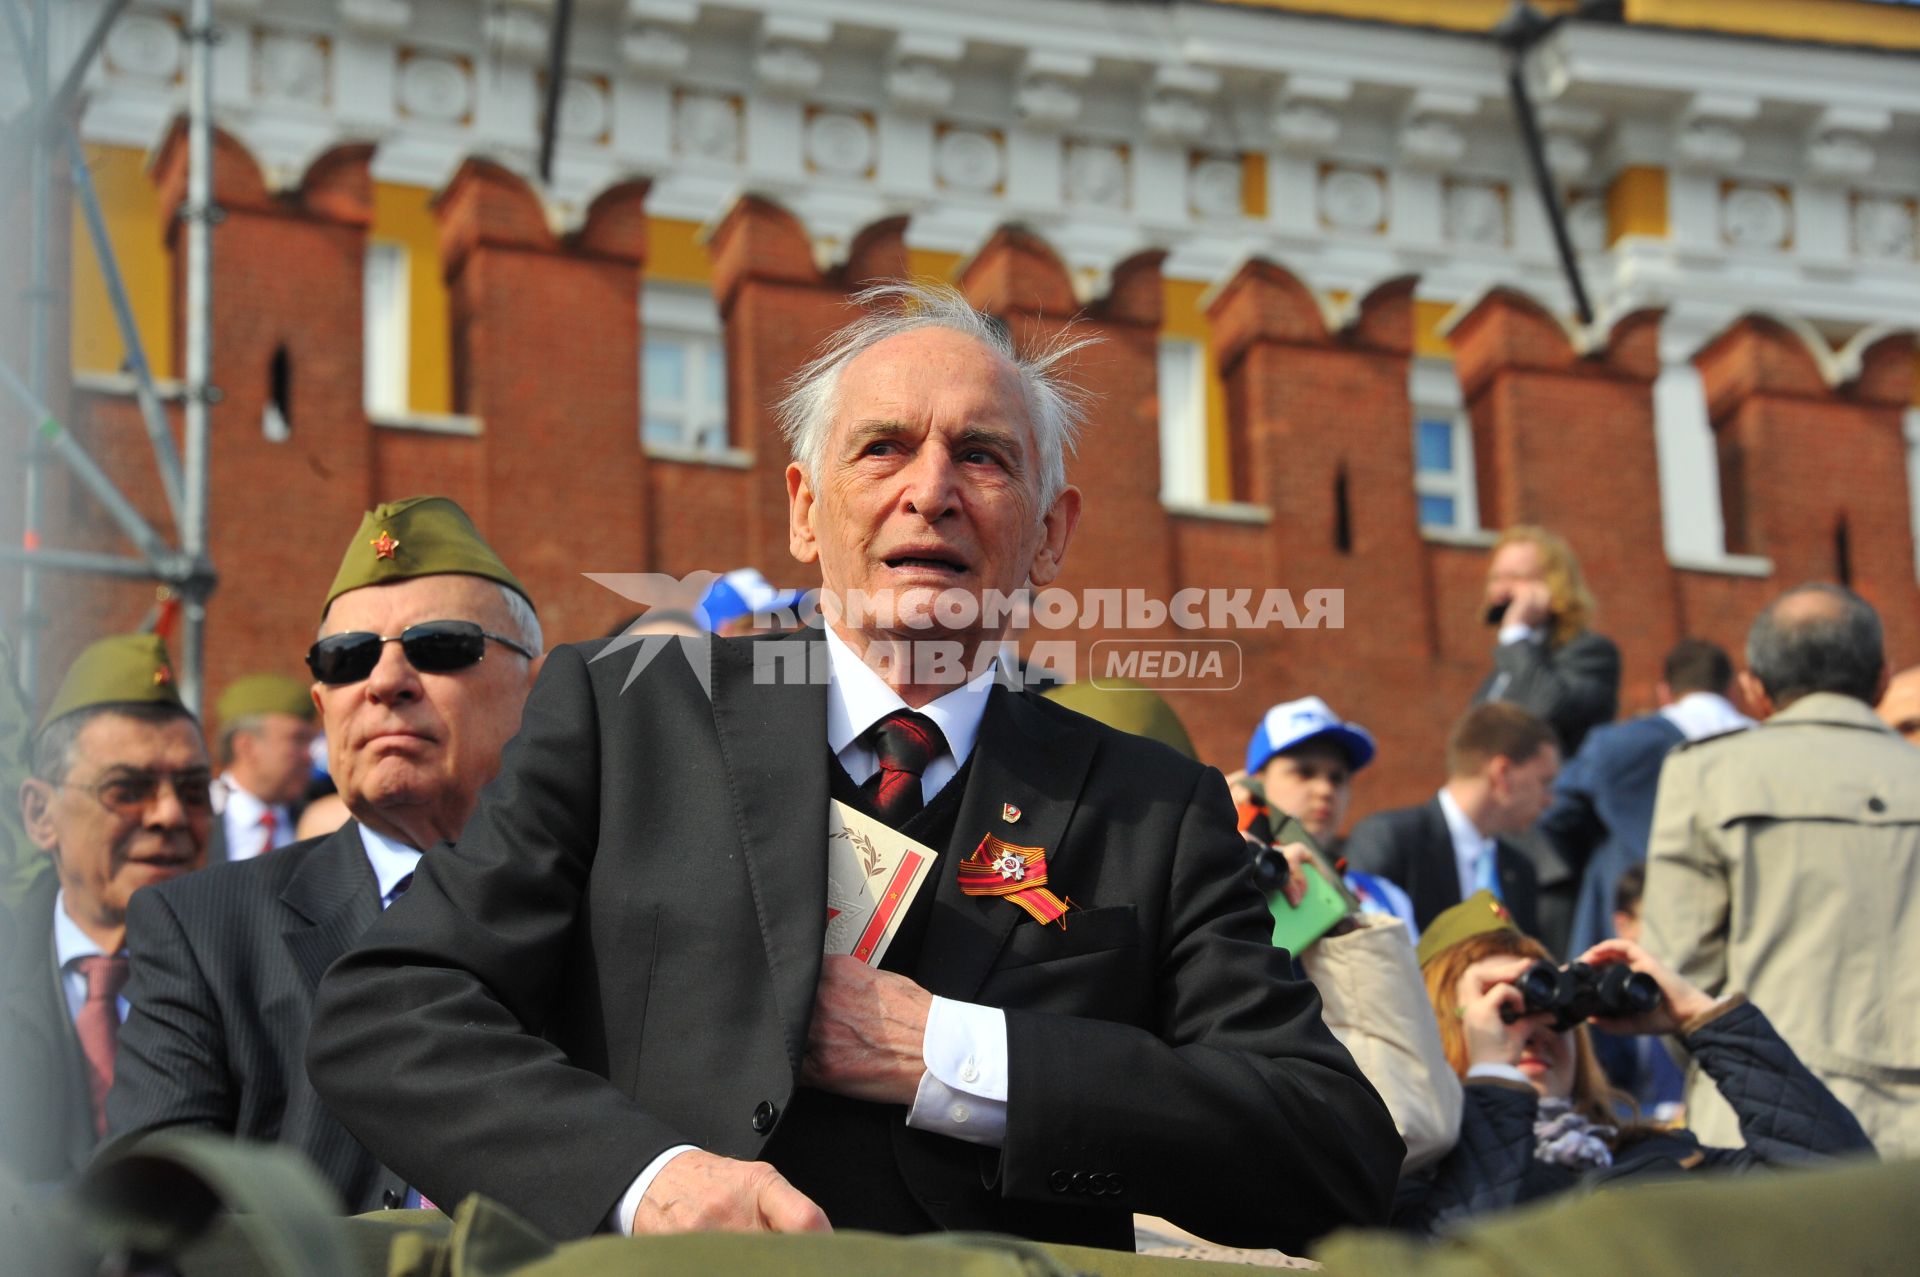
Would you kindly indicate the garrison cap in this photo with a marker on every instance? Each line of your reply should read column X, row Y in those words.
column 1128, row 706
column 420, row 536
column 124, row 669
column 1478, row 913
column 252, row 694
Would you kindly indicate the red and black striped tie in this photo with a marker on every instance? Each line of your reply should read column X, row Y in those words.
column 905, row 742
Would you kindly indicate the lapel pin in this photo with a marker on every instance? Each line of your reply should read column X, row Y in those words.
column 1009, row 813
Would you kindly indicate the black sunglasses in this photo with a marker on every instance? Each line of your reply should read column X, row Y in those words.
column 432, row 647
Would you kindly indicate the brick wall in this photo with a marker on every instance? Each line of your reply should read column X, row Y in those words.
column 545, row 339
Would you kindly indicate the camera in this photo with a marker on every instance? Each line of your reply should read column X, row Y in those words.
column 1579, row 992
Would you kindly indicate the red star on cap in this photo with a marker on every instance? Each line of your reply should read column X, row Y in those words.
column 384, row 545
column 162, row 676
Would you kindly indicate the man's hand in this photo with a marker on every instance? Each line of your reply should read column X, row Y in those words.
column 703, row 1192
column 1530, row 605
column 868, row 1035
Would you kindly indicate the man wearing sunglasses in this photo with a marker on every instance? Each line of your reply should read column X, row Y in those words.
column 427, row 647
column 610, row 1009
column 119, row 799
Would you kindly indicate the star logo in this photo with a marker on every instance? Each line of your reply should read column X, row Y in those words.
column 162, row 676
column 1009, row 813
column 384, row 545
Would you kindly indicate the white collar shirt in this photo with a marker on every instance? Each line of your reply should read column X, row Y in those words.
column 857, row 698
column 1699, row 715
column 241, row 816
column 1469, row 844
column 70, row 944
column 391, row 861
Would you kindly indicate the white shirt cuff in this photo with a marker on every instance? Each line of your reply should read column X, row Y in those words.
column 630, row 1200
column 1518, row 633
column 963, row 1093
column 1505, row 1072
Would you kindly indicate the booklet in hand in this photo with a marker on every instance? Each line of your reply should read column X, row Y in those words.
column 873, row 873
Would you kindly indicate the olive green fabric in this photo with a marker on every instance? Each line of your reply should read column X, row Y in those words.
column 252, row 694
column 1129, row 706
column 123, row 669
column 1479, row 912
column 21, row 863
column 420, row 536
column 1855, row 1219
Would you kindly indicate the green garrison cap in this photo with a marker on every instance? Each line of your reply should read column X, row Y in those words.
column 421, row 536
column 252, row 694
column 1128, row 706
column 120, row 670
column 1478, row 913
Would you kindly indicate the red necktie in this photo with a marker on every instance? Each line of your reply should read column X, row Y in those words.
column 268, row 823
column 98, row 1026
column 905, row 742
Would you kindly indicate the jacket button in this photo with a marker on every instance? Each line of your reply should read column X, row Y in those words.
column 763, row 1117
column 1876, row 804
column 390, row 1200
column 1060, row 1182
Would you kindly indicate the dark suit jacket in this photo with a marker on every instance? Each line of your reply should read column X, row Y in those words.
column 224, row 965
column 46, row 1117
column 1574, row 686
column 1602, row 811
column 620, row 955
column 1412, row 847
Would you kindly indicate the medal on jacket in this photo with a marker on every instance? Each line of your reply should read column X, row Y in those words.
column 999, row 868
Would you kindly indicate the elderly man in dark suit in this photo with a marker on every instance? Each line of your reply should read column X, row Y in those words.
column 428, row 646
column 1501, row 762
column 119, row 799
column 607, row 1006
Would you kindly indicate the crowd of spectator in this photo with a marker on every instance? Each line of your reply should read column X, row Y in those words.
column 463, row 912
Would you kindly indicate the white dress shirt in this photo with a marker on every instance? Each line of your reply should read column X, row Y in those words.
column 963, row 1092
column 1469, row 844
column 241, row 817
column 70, row 944
column 391, row 861
column 1699, row 715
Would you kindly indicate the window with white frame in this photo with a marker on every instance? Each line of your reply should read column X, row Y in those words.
column 1443, row 480
column 683, row 373
column 1691, row 514
column 1183, row 423
column 384, row 303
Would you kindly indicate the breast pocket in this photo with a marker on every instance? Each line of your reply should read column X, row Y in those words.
column 1088, row 932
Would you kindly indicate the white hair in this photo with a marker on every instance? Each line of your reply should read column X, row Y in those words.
column 1055, row 408
column 521, row 620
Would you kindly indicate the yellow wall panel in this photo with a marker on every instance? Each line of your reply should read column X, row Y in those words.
column 1637, row 204
column 1823, row 21
column 130, row 204
column 675, row 252
column 404, row 215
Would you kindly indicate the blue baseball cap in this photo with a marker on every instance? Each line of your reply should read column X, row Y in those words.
column 742, row 592
column 1293, row 723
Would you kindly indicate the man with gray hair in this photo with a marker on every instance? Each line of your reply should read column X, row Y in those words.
column 1784, row 865
column 427, row 647
column 608, row 1006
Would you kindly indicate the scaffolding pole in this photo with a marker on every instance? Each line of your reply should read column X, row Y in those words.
column 47, row 127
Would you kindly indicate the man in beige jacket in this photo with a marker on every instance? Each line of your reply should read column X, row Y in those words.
column 1785, row 863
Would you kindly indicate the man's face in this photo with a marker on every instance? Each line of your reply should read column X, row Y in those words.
column 1514, row 564
column 1313, row 783
column 929, row 484
column 1900, row 707
column 1522, row 790
column 272, row 760
column 417, row 747
column 106, row 840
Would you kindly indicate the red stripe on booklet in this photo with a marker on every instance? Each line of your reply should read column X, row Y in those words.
column 877, row 925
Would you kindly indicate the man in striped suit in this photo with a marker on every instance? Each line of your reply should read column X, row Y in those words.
column 428, row 647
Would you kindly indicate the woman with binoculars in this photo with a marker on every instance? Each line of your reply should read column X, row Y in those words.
column 1539, row 1117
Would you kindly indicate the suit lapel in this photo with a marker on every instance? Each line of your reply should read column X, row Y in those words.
column 773, row 736
column 37, row 1009
column 334, row 898
column 1439, row 870
column 1023, row 758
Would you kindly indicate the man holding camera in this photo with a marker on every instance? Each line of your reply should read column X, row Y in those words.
column 1785, row 863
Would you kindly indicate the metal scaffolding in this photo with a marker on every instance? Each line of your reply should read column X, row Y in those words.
column 44, row 134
